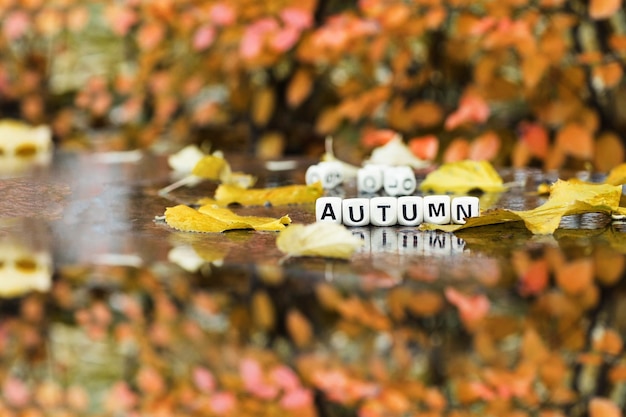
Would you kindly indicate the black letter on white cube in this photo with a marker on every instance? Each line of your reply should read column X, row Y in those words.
column 328, row 209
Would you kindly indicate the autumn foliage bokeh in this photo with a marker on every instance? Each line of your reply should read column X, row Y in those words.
column 518, row 82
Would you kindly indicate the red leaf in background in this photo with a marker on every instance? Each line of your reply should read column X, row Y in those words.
column 222, row 402
column 285, row 38
column 457, row 150
column 222, row 14
column 472, row 108
column 574, row 139
column 15, row 392
column 535, row 137
column 297, row 399
column 483, row 25
column 603, row 407
column 203, row 379
column 204, row 37
column 285, row 377
column 251, row 372
column 150, row 35
column 472, row 308
column 535, row 278
column 296, row 18
column 485, row 146
column 15, row 24
column 603, row 9
column 424, row 147
column 372, row 138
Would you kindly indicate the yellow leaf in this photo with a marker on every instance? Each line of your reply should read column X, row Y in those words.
column 211, row 167
column 617, row 176
column 211, row 220
column 323, row 239
column 566, row 197
column 256, row 223
column 462, row 177
column 277, row 196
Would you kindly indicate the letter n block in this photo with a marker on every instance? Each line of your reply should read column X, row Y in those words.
column 464, row 207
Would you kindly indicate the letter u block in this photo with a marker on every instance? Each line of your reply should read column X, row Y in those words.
column 330, row 173
column 328, row 209
column 383, row 211
column 464, row 207
column 410, row 210
column 437, row 209
column 356, row 212
column 399, row 181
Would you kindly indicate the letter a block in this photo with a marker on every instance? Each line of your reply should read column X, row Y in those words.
column 328, row 209
column 437, row 209
column 410, row 210
column 464, row 207
column 383, row 211
column 356, row 211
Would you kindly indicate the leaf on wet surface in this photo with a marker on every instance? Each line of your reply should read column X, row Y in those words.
column 566, row 198
column 462, row 177
column 277, row 196
column 328, row 240
column 216, row 220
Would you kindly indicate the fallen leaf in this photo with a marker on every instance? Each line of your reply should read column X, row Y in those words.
column 186, row 159
column 289, row 194
column 215, row 220
column 617, row 176
column 299, row 328
column 462, row 177
column 323, row 239
column 575, row 277
column 566, row 197
column 211, row 167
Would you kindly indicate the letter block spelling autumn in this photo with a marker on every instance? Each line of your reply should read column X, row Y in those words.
column 391, row 211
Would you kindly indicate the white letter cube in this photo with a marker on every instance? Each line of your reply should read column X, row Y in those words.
column 464, row 207
column 369, row 179
column 328, row 209
column 410, row 210
column 383, row 211
column 399, row 181
column 356, row 211
column 330, row 173
column 437, row 209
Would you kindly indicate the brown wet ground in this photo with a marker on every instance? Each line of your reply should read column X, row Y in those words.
column 388, row 317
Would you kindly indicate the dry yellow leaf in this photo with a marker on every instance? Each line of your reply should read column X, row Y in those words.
column 211, row 167
column 187, row 219
column 256, row 223
column 462, row 177
column 566, row 197
column 289, row 194
column 323, row 239
column 617, row 176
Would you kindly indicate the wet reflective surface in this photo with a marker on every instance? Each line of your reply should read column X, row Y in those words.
column 107, row 311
